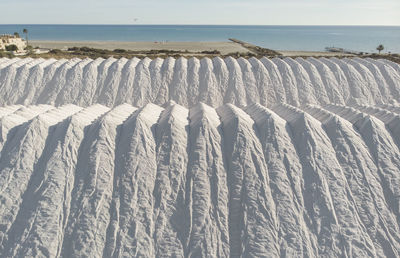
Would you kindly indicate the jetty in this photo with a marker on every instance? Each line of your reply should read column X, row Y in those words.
column 256, row 49
column 343, row 50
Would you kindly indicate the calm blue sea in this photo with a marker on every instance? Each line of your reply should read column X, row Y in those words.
column 361, row 38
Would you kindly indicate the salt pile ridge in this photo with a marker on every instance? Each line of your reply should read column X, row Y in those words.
column 217, row 81
column 167, row 181
column 117, row 157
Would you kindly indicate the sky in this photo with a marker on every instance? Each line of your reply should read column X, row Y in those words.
column 234, row 12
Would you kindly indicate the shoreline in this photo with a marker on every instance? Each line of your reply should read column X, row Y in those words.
column 225, row 48
column 142, row 49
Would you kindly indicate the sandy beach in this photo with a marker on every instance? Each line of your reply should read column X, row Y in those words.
column 223, row 47
column 197, row 47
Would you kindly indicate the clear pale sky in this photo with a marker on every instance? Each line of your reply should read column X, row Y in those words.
column 257, row 12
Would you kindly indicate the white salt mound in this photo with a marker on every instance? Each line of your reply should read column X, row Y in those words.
column 320, row 181
column 199, row 158
column 217, row 81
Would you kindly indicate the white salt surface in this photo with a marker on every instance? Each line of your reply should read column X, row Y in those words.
column 217, row 81
column 170, row 181
column 199, row 157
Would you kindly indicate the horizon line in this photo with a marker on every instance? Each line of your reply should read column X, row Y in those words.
column 172, row 24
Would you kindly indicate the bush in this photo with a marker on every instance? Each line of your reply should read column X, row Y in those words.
column 55, row 51
column 89, row 50
column 86, row 49
column 6, row 54
column 118, row 50
column 11, row 47
column 211, row 52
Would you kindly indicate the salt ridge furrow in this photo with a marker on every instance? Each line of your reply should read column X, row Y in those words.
column 207, row 190
column 170, row 184
column 391, row 76
column 383, row 149
column 252, row 220
column 17, row 165
column 327, row 186
column 216, row 81
column 315, row 81
column 94, row 186
column 136, row 173
column 19, row 117
column 357, row 88
column 171, row 181
column 361, row 175
column 40, row 211
column 285, row 179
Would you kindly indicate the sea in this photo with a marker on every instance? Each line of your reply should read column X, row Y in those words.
column 306, row 38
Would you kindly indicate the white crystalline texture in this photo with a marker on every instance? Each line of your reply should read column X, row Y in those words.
column 320, row 181
column 215, row 82
column 199, row 158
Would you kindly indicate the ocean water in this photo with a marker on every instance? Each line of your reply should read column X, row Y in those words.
column 359, row 38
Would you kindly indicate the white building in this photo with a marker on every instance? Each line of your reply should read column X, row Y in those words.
column 6, row 40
